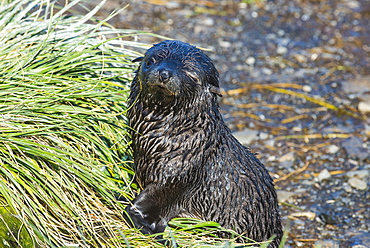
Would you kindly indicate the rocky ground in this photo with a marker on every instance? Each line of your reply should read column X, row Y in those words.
column 295, row 76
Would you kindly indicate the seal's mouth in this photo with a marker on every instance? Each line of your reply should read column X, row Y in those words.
column 159, row 85
column 161, row 88
column 162, row 84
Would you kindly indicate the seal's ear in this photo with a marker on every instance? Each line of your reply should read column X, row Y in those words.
column 138, row 59
column 215, row 90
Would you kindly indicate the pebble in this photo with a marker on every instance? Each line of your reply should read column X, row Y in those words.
column 300, row 58
column 304, row 72
column 332, row 149
column 347, row 188
column 246, row 136
column 287, row 157
column 296, row 129
column 281, row 32
column 283, row 42
column 281, row 50
column 326, row 244
column 208, row 22
column 357, row 183
column 324, row 174
column 266, row 71
column 354, row 148
column 225, row 44
column 314, row 56
column 250, row 61
column 271, row 158
column 172, row 5
column 270, row 142
column 264, row 136
column 346, row 200
column 353, row 4
column 358, row 173
column 364, row 107
column 367, row 129
column 289, row 71
column 309, row 182
column 283, row 195
column 286, row 165
column 307, row 88
column 254, row 14
column 359, row 85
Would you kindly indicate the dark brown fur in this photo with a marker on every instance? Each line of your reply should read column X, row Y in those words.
column 187, row 161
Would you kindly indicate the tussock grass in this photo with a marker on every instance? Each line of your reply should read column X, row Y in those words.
column 63, row 136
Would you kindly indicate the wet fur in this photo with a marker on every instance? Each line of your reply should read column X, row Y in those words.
column 187, row 161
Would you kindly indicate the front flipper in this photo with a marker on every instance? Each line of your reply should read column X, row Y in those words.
column 146, row 212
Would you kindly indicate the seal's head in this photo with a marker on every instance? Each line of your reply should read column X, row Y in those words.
column 174, row 69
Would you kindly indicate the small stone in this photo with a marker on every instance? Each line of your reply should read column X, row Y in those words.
column 246, row 136
column 326, row 244
column 281, row 32
column 287, row 157
column 332, row 149
column 266, row 71
column 208, row 22
column 283, row 195
column 250, row 61
column 358, row 173
column 353, row 4
column 300, row 58
column 354, row 148
column 307, row 88
column 289, row 71
column 307, row 182
column 359, row 85
column 357, row 183
column 172, row 4
column 281, row 50
column 367, row 129
column 254, row 14
column 270, row 142
column 271, row 158
column 264, row 136
column 347, row 188
column 346, row 200
column 324, row 174
column 270, row 36
column 286, row 165
column 296, row 129
column 224, row 44
column 364, row 107
column 314, row 56
column 240, row 67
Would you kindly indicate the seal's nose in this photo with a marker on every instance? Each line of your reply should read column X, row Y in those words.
column 165, row 74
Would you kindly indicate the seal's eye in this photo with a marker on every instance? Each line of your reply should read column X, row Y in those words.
column 150, row 61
